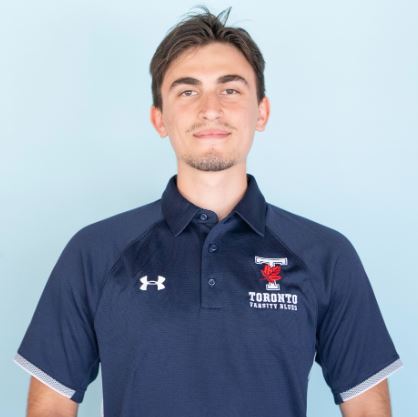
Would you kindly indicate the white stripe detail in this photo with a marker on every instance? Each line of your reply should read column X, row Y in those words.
column 101, row 409
column 372, row 381
column 43, row 377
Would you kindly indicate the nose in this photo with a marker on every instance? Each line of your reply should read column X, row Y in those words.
column 210, row 107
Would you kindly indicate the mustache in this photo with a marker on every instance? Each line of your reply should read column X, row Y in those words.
column 197, row 126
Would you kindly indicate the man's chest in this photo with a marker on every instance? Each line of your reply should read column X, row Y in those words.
column 254, row 301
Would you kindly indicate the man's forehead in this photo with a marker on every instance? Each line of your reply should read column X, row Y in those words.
column 208, row 64
column 214, row 46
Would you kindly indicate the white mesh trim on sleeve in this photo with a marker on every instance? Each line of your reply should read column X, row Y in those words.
column 101, row 409
column 42, row 376
column 372, row 381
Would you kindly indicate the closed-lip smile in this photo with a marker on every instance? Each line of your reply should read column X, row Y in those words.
column 213, row 133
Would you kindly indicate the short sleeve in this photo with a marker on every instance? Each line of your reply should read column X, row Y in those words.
column 59, row 347
column 354, row 348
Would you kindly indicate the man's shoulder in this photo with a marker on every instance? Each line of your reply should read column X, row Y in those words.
column 301, row 232
column 116, row 231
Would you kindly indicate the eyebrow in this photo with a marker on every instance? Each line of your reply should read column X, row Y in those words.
column 221, row 80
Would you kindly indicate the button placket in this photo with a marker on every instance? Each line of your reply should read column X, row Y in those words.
column 211, row 281
column 212, row 291
column 212, row 288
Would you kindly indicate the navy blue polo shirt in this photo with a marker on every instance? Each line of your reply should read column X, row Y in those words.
column 191, row 316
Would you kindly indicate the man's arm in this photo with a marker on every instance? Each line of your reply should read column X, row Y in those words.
column 374, row 402
column 45, row 402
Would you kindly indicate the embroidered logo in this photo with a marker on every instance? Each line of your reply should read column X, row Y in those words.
column 144, row 283
column 271, row 271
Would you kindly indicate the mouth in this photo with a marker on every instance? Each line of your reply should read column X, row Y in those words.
column 211, row 134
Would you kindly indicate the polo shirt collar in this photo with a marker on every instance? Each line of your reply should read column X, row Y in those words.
column 179, row 212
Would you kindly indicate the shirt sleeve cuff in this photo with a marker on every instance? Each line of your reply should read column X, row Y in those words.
column 371, row 381
column 43, row 377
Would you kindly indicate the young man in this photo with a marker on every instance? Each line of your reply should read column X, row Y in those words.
column 208, row 302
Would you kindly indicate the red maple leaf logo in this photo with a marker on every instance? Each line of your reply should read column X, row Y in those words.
column 271, row 273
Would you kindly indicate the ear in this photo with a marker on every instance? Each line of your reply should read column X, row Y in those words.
column 156, row 118
column 263, row 114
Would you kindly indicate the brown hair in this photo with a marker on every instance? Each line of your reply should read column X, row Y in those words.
column 200, row 29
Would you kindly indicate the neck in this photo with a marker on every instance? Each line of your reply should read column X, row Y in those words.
column 219, row 191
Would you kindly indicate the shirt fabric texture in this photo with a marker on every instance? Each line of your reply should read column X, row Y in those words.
column 189, row 316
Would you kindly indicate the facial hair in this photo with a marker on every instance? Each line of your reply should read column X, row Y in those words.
column 211, row 161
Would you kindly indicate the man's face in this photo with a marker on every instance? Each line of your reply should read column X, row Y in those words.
column 210, row 109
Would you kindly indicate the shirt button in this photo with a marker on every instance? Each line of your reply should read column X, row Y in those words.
column 211, row 282
column 203, row 216
column 213, row 247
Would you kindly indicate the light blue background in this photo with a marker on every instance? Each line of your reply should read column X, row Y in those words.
column 340, row 148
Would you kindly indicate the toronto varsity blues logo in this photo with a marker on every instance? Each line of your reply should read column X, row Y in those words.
column 272, row 273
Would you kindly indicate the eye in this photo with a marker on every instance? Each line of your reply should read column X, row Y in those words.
column 187, row 93
column 231, row 91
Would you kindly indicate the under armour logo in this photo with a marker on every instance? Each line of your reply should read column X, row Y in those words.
column 159, row 283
